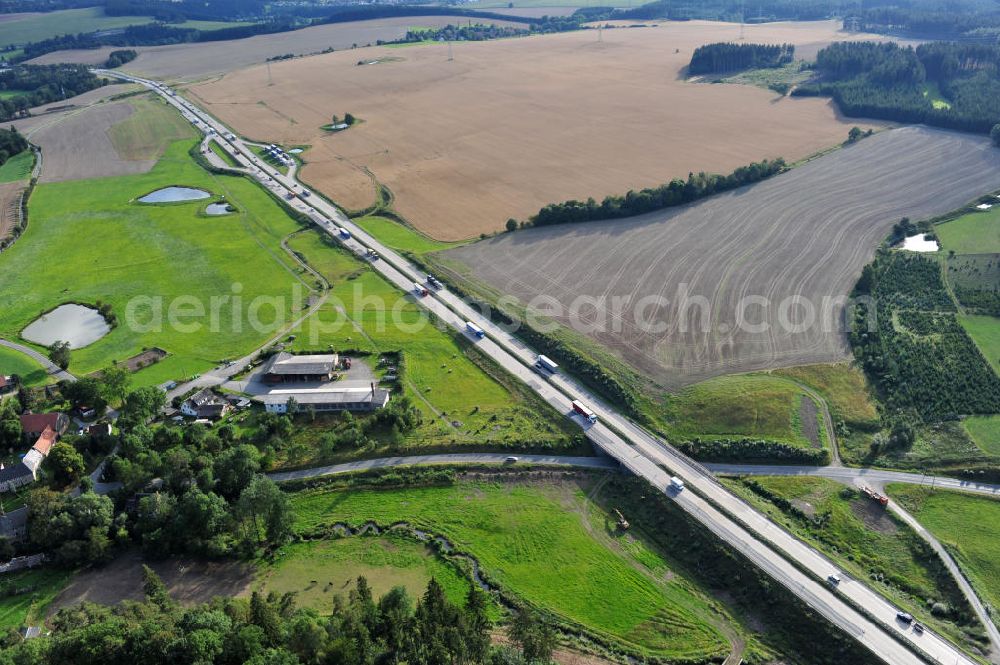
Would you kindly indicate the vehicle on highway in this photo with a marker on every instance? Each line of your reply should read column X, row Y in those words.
column 833, row 579
column 546, row 364
column 344, row 233
column 433, row 281
column 305, row 193
column 511, row 460
column 582, row 409
column 475, row 330
column 676, row 484
column 905, row 617
column 419, row 290
column 918, row 628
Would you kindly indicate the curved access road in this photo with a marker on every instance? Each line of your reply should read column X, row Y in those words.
column 443, row 459
column 854, row 607
column 50, row 367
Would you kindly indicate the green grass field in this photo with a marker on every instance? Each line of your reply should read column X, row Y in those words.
column 14, row 362
column 112, row 249
column 72, row 21
column 29, row 608
column 985, row 431
column 148, row 132
column 551, row 546
column 222, row 153
column 385, row 561
column 985, row 332
column 842, row 386
column 400, row 237
column 973, row 233
column 18, row 167
column 751, row 405
column 441, row 374
column 967, row 524
column 861, row 537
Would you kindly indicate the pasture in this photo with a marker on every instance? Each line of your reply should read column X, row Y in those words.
column 985, row 431
column 972, row 233
column 40, row 587
column 152, row 252
column 844, row 387
column 17, row 167
column 968, row 525
column 539, row 540
column 15, row 362
column 861, row 537
column 747, row 280
column 511, row 125
column 463, row 400
column 401, row 238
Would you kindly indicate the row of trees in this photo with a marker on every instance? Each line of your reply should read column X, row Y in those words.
column 36, row 85
column 674, row 193
column 728, row 57
column 120, row 57
column 887, row 81
column 271, row 630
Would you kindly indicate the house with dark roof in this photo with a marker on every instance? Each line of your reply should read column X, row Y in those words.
column 34, row 424
column 14, row 476
column 284, row 367
column 205, row 404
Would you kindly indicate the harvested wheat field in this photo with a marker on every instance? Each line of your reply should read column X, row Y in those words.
column 10, row 206
column 197, row 61
column 97, row 137
column 511, row 125
column 800, row 236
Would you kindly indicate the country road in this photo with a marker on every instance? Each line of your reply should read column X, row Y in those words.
column 854, row 607
column 50, row 367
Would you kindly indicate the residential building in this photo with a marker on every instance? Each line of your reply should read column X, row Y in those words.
column 15, row 476
column 284, row 367
column 205, row 404
column 34, row 424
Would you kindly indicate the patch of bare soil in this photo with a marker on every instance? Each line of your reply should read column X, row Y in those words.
column 874, row 516
column 807, row 508
column 508, row 126
column 189, row 581
column 809, row 420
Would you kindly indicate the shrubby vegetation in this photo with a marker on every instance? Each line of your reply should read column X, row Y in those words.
column 11, row 143
column 756, row 450
column 42, row 84
column 120, row 57
column 676, row 192
column 887, row 81
column 728, row 57
column 914, row 350
column 271, row 630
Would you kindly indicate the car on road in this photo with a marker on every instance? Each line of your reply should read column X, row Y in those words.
column 676, row 484
column 833, row 579
column 905, row 617
column 511, row 460
column 918, row 628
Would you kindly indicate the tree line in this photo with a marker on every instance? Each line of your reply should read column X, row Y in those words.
column 36, row 85
column 676, row 192
column 890, row 82
column 729, row 57
column 120, row 57
column 269, row 629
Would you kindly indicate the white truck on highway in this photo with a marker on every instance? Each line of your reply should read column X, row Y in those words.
column 546, row 364
column 676, row 484
column 475, row 330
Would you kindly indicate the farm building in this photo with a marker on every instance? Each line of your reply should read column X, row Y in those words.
column 341, row 399
column 287, row 368
column 26, row 471
column 34, row 424
column 14, row 476
column 205, row 404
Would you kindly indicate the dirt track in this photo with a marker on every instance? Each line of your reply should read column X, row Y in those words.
column 511, row 125
column 804, row 233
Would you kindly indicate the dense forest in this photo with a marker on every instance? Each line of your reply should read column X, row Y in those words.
column 912, row 347
column 42, row 84
column 891, row 82
column 361, row 629
column 729, row 57
column 674, row 193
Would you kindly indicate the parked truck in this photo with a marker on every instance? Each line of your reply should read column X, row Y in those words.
column 580, row 408
column 875, row 496
column 545, row 364
column 473, row 329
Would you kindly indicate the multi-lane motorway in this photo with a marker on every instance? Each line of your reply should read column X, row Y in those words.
column 795, row 565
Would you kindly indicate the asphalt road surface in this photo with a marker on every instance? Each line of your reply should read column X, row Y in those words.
column 766, row 544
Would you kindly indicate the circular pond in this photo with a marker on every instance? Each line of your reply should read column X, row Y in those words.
column 175, row 195
column 218, row 209
column 76, row 324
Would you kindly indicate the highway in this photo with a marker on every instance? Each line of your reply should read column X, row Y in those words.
column 767, row 545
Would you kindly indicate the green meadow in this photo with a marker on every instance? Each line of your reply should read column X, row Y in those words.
column 551, row 546
column 18, row 167
column 985, row 332
column 972, row 233
column 400, row 237
column 985, row 431
column 15, row 362
column 91, row 240
column 38, row 587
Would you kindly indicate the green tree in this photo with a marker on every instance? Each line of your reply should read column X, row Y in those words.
column 10, row 433
column 59, row 354
column 65, row 463
column 511, row 225
column 235, row 468
column 87, row 391
column 855, row 134
column 265, row 511
column 153, row 588
column 536, row 639
column 115, row 383
column 349, row 119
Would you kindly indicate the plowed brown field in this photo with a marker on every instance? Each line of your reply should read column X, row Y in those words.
column 511, row 125
column 753, row 262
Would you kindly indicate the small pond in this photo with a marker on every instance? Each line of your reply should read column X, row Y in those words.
column 75, row 324
column 296, row 151
column 174, row 195
column 217, row 209
column 918, row 243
